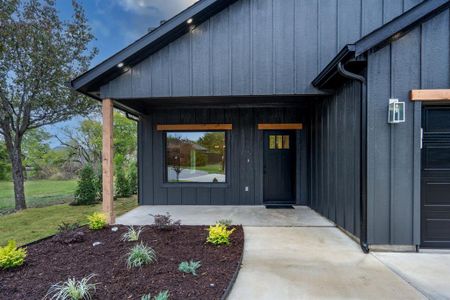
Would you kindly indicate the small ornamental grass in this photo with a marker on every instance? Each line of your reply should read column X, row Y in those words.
column 140, row 255
column 11, row 256
column 72, row 289
column 226, row 222
column 164, row 295
column 219, row 234
column 189, row 267
column 64, row 227
column 97, row 221
column 132, row 235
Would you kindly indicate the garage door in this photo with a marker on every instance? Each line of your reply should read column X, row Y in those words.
column 435, row 197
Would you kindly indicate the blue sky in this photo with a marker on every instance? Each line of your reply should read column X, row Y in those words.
column 115, row 24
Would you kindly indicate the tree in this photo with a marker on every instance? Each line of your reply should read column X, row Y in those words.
column 86, row 192
column 5, row 165
column 39, row 54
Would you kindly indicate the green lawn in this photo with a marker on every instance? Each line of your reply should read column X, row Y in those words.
column 211, row 169
column 39, row 193
column 36, row 223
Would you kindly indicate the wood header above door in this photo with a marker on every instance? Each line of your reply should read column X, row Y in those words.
column 280, row 126
column 430, row 95
column 197, row 127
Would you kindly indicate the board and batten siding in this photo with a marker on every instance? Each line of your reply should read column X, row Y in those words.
column 335, row 157
column 418, row 60
column 255, row 47
column 244, row 156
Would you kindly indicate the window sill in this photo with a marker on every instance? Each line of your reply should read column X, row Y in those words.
column 195, row 185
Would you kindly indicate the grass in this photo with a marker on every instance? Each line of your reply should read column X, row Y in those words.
column 36, row 223
column 39, row 193
column 211, row 169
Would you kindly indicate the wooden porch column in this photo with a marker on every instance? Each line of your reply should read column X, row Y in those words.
column 107, row 161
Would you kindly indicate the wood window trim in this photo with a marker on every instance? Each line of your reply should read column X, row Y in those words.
column 280, row 126
column 193, row 127
column 430, row 95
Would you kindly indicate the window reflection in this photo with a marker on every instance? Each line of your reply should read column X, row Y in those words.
column 195, row 156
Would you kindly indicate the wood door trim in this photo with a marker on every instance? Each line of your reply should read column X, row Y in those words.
column 187, row 127
column 430, row 95
column 280, row 126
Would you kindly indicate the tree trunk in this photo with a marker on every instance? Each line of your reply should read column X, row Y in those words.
column 15, row 151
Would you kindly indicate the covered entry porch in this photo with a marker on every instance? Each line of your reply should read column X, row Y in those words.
column 299, row 216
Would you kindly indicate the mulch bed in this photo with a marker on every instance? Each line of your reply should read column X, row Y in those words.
column 50, row 261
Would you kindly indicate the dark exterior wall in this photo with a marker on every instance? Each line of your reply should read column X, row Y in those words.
column 256, row 47
column 244, row 160
column 335, row 157
column 418, row 60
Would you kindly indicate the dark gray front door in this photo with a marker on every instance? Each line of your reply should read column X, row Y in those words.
column 435, row 214
column 279, row 167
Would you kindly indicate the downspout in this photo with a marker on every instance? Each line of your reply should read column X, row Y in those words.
column 363, row 154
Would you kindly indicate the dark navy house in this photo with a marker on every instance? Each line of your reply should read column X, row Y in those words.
column 340, row 105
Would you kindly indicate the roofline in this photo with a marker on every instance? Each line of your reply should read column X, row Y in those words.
column 156, row 39
column 381, row 36
column 330, row 70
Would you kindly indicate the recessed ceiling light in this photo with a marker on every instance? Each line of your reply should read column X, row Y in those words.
column 120, row 65
column 189, row 21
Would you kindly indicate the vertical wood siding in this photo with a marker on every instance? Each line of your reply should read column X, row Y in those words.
column 418, row 60
column 256, row 47
column 244, row 160
column 334, row 153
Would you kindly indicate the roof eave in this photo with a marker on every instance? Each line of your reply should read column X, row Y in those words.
column 330, row 70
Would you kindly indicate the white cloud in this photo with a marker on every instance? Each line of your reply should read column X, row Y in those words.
column 164, row 9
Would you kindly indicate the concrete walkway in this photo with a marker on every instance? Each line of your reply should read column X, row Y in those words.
column 427, row 272
column 298, row 254
column 312, row 263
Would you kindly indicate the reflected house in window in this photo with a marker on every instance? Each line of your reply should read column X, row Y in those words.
column 195, row 157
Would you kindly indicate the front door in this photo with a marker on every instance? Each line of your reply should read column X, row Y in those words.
column 435, row 194
column 279, row 167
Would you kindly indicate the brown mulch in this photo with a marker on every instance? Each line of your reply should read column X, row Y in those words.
column 51, row 261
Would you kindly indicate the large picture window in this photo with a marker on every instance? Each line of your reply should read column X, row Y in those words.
column 196, row 156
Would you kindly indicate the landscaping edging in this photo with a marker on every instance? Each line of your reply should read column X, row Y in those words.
column 236, row 272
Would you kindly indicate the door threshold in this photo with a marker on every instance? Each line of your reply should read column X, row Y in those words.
column 279, row 206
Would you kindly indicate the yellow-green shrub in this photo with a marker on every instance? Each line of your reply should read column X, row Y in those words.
column 97, row 221
column 219, row 234
column 11, row 256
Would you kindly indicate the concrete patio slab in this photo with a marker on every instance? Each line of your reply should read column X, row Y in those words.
column 428, row 272
column 245, row 215
column 312, row 263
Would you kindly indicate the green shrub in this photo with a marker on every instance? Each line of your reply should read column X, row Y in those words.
column 86, row 192
column 140, row 255
column 64, row 227
column 11, row 256
column 164, row 295
column 122, row 186
column 133, row 179
column 72, row 289
column 225, row 222
column 189, row 267
column 98, row 184
column 97, row 221
column 219, row 234
column 132, row 234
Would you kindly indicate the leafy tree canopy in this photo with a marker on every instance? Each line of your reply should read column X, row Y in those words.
column 39, row 54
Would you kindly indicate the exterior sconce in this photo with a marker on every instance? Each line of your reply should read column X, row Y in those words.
column 396, row 112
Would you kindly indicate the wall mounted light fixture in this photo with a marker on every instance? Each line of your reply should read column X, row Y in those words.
column 396, row 111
